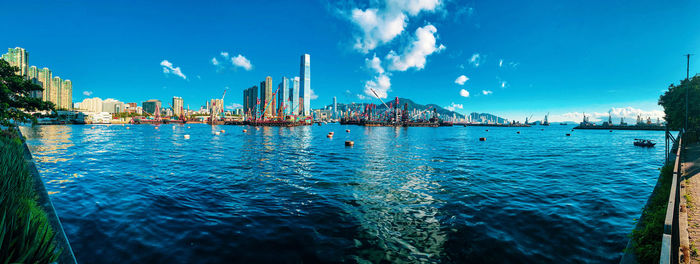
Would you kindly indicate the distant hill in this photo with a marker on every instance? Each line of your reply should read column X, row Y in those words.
column 441, row 110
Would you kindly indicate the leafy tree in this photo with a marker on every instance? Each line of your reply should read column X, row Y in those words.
column 673, row 102
column 15, row 97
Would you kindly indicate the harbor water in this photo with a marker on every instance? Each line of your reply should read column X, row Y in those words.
column 290, row 195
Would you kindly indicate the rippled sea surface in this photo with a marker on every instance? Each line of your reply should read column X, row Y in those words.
column 289, row 195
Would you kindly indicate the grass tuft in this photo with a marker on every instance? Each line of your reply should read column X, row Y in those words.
column 647, row 238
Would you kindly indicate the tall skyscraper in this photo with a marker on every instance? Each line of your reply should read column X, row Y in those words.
column 178, row 105
column 56, row 89
column 335, row 107
column 267, row 101
column 294, row 96
column 45, row 78
column 283, row 97
column 305, row 84
column 67, row 95
column 250, row 101
column 17, row 57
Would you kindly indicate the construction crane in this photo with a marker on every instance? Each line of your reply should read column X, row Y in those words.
column 223, row 115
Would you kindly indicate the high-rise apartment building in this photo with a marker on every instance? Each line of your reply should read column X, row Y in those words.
column 44, row 79
column 67, row 95
column 294, row 96
column 305, row 84
column 91, row 105
column 113, row 106
column 56, row 89
column 283, row 97
column 250, row 101
column 33, row 76
column 17, row 57
column 216, row 106
column 178, row 105
column 267, row 101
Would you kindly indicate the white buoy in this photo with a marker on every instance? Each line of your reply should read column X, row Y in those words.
column 187, row 136
column 217, row 133
column 127, row 127
column 156, row 127
column 188, row 126
column 93, row 127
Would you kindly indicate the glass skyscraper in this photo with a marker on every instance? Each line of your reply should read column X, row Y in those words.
column 283, row 104
column 305, row 84
column 294, row 95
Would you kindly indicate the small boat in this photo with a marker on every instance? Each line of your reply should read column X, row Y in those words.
column 643, row 142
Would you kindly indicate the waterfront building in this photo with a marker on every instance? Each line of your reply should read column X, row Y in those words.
column 151, row 105
column 17, row 57
column 66, row 94
column 112, row 106
column 283, row 97
column 178, row 105
column 90, row 105
column 305, row 84
column 44, row 79
column 56, row 89
column 294, row 93
column 216, row 106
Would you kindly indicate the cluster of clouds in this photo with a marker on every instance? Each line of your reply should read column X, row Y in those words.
column 169, row 68
column 380, row 24
column 628, row 113
column 454, row 106
column 87, row 93
column 476, row 60
column 238, row 61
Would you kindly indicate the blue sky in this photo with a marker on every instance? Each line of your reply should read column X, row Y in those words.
column 563, row 57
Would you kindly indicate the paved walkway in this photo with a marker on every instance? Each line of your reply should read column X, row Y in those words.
column 691, row 169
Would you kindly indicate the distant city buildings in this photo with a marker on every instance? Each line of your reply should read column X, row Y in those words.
column 292, row 96
column 56, row 90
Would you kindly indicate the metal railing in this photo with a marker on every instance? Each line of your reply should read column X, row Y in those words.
column 671, row 240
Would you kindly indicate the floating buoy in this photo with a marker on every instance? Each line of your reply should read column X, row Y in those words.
column 568, row 134
column 187, row 136
column 487, row 130
column 223, row 131
column 329, row 135
column 217, row 133
column 93, row 127
column 518, row 132
column 188, row 126
column 156, row 127
column 127, row 127
column 173, row 127
column 349, row 143
column 244, row 131
column 610, row 130
column 543, row 129
column 347, row 130
column 482, row 139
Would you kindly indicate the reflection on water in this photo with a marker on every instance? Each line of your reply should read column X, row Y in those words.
column 403, row 195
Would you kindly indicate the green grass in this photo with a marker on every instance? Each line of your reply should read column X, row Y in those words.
column 647, row 238
column 25, row 235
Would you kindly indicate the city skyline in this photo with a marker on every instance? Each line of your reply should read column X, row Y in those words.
column 502, row 65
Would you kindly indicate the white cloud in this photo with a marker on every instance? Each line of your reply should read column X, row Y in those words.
column 415, row 54
column 475, row 60
column 461, row 79
column 375, row 64
column 503, row 84
column 381, row 85
column 380, row 25
column 242, row 62
column 361, row 97
column 312, row 94
column 500, row 63
column 454, row 106
column 214, row 62
column 233, row 106
column 486, row 92
column 464, row 93
column 87, row 93
column 224, row 54
column 169, row 68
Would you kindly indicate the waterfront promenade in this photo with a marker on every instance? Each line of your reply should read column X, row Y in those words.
column 691, row 169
